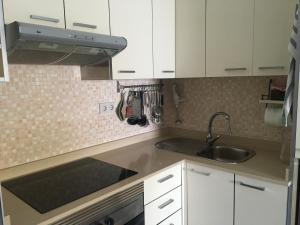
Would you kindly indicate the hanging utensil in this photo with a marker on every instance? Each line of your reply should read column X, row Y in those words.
column 120, row 107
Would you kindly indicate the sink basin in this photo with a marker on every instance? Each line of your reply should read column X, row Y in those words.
column 195, row 147
column 227, row 154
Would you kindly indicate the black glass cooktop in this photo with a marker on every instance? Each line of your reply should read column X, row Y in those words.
column 55, row 187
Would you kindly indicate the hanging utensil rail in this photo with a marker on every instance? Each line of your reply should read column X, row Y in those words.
column 122, row 87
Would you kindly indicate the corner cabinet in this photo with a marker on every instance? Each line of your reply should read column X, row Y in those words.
column 164, row 38
column 229, row 37
column 273, row 21
column 260, row 203
column 89, row 17
column 132, row 19
column 210, row 196
column 190, row 38
column 42, row 12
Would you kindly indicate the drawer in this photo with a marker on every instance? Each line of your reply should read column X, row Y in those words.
column 160, row 184
column 162, row 208
column 175, row 219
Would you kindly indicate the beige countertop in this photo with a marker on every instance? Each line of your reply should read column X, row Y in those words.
column 139, row 154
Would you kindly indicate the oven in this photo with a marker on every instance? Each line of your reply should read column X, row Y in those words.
column 123, row 208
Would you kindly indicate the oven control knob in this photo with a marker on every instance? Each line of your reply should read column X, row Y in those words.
column 109, row 221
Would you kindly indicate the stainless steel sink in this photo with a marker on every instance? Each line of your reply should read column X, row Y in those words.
column 195, row 147
column 227, row 154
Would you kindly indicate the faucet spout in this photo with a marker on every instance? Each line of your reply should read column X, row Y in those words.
column 210, row 140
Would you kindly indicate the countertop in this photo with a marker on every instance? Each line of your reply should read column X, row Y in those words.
column 143, row 157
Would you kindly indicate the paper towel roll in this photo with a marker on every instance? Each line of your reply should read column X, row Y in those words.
column 274, row 116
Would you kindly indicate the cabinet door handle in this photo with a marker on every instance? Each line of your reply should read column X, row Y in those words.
column 166, row 204
column 199, row 172
column 84, row 25
column 253, row 187
column 236, row 69
column 126, row 71
column 271, row 67
column 43, row 18
column 165, row 178
column 168, row 71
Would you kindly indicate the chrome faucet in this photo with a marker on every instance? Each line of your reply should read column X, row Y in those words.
column 210, row 140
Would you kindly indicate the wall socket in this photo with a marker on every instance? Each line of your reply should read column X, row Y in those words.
column 106, row 107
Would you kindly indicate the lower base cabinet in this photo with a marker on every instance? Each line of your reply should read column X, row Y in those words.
column 260, row 203
column 210, row 196
column 175, row 219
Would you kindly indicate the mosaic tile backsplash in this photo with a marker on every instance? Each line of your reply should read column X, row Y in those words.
column 238, row 96
column 48, row 110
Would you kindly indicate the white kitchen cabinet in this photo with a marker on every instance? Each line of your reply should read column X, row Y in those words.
column 164, row 38
column 91, row 16
column 259, row 202
column 3, row 54
column 190, row 38
column 132, row 19
column 210, row 196
column 162, row 208
column 42, row 12
column 175, row 219
column 229, row 37
column 272, row 29
column 162, row 183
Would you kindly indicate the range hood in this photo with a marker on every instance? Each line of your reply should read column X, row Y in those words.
column 36, row 44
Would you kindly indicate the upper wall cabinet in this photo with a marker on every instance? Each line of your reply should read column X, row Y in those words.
column 3, row 54
column 43, row 12
column 164, row 38
column 229, row 37
column 190, row 38
column 90, row 17
column 272, row 29
column 132, row 19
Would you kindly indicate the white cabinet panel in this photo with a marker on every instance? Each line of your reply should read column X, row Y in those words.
column 43, row 12
column 175, row 219
column 190, row 38
column 164, row 38
column 132, row 19
column 162, row 208
column 89, row 16
column 260, row 203
column 229, row 37
column 210, row 196
column 272, row 30
column 162, row 183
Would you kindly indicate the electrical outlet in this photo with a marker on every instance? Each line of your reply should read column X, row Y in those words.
column 106, row 107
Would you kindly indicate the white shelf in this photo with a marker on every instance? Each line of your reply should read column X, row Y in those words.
column 274, row 102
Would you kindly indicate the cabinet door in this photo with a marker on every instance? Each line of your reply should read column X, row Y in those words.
column 43, row 12
column 210, row 196
column 164, row 38
column 229, row 37
column 3, row 54
column 259, row 203
column 132, row 19
column 190, row 38
column 272, row 30
column 91, row 17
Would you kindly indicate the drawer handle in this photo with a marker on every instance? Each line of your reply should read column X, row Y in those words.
column 166, row 204
column 43, row 18
column 235, row 69
column 165, row 178
column 168, row 71
column 271, row 67
column 253, row 187
column 84, row 25
column 199, row 172
column 126, row 71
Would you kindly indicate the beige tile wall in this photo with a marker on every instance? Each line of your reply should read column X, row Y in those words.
column 48, row 110
column 237, row 96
